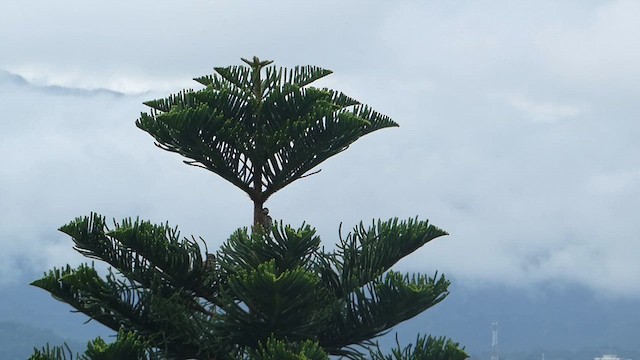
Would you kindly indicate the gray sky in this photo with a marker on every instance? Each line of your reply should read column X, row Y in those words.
column 519, row 126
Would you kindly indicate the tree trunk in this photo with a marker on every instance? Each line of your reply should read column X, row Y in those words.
column 258, row 213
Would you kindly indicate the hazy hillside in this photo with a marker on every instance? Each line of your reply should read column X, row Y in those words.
column 21, row 303
column 564, row 323
column 18, row 340
column 552, row 320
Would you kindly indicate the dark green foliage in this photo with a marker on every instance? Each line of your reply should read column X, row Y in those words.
column 426, row 348
column 245, row 122
column 264, row 284
column 259, row 127
column 52, row 353
column 128, row 346
column 271, row 291
column 275, row 349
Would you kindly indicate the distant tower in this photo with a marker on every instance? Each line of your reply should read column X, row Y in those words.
column 494, row 341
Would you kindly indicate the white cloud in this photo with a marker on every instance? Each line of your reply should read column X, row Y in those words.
column 611, row 184
column 553, row 198
column 601, row 46
column 545, row 112
column 127, row 84
column 68, row 155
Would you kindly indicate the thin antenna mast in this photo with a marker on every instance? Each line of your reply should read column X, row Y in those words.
column 494, row 341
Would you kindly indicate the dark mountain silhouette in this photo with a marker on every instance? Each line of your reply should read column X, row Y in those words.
column 564, row 323
column 10, row 78
column 17, row 341
column 548, row 319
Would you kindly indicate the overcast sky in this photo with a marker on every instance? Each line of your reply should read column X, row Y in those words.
column 519, row 125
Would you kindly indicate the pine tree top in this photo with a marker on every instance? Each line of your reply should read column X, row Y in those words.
column 259, row 127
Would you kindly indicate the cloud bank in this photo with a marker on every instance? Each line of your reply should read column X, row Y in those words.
column 518, row 128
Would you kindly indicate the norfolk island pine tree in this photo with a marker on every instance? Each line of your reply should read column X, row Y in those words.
column 270, row 291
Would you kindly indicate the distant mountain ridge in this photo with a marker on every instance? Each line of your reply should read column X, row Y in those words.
column 553, row 320
column 17, row 341
column 7, row 77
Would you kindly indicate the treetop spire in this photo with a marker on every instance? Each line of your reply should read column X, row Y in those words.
column 256, row 63
column 269, row 293
column 259, row 131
